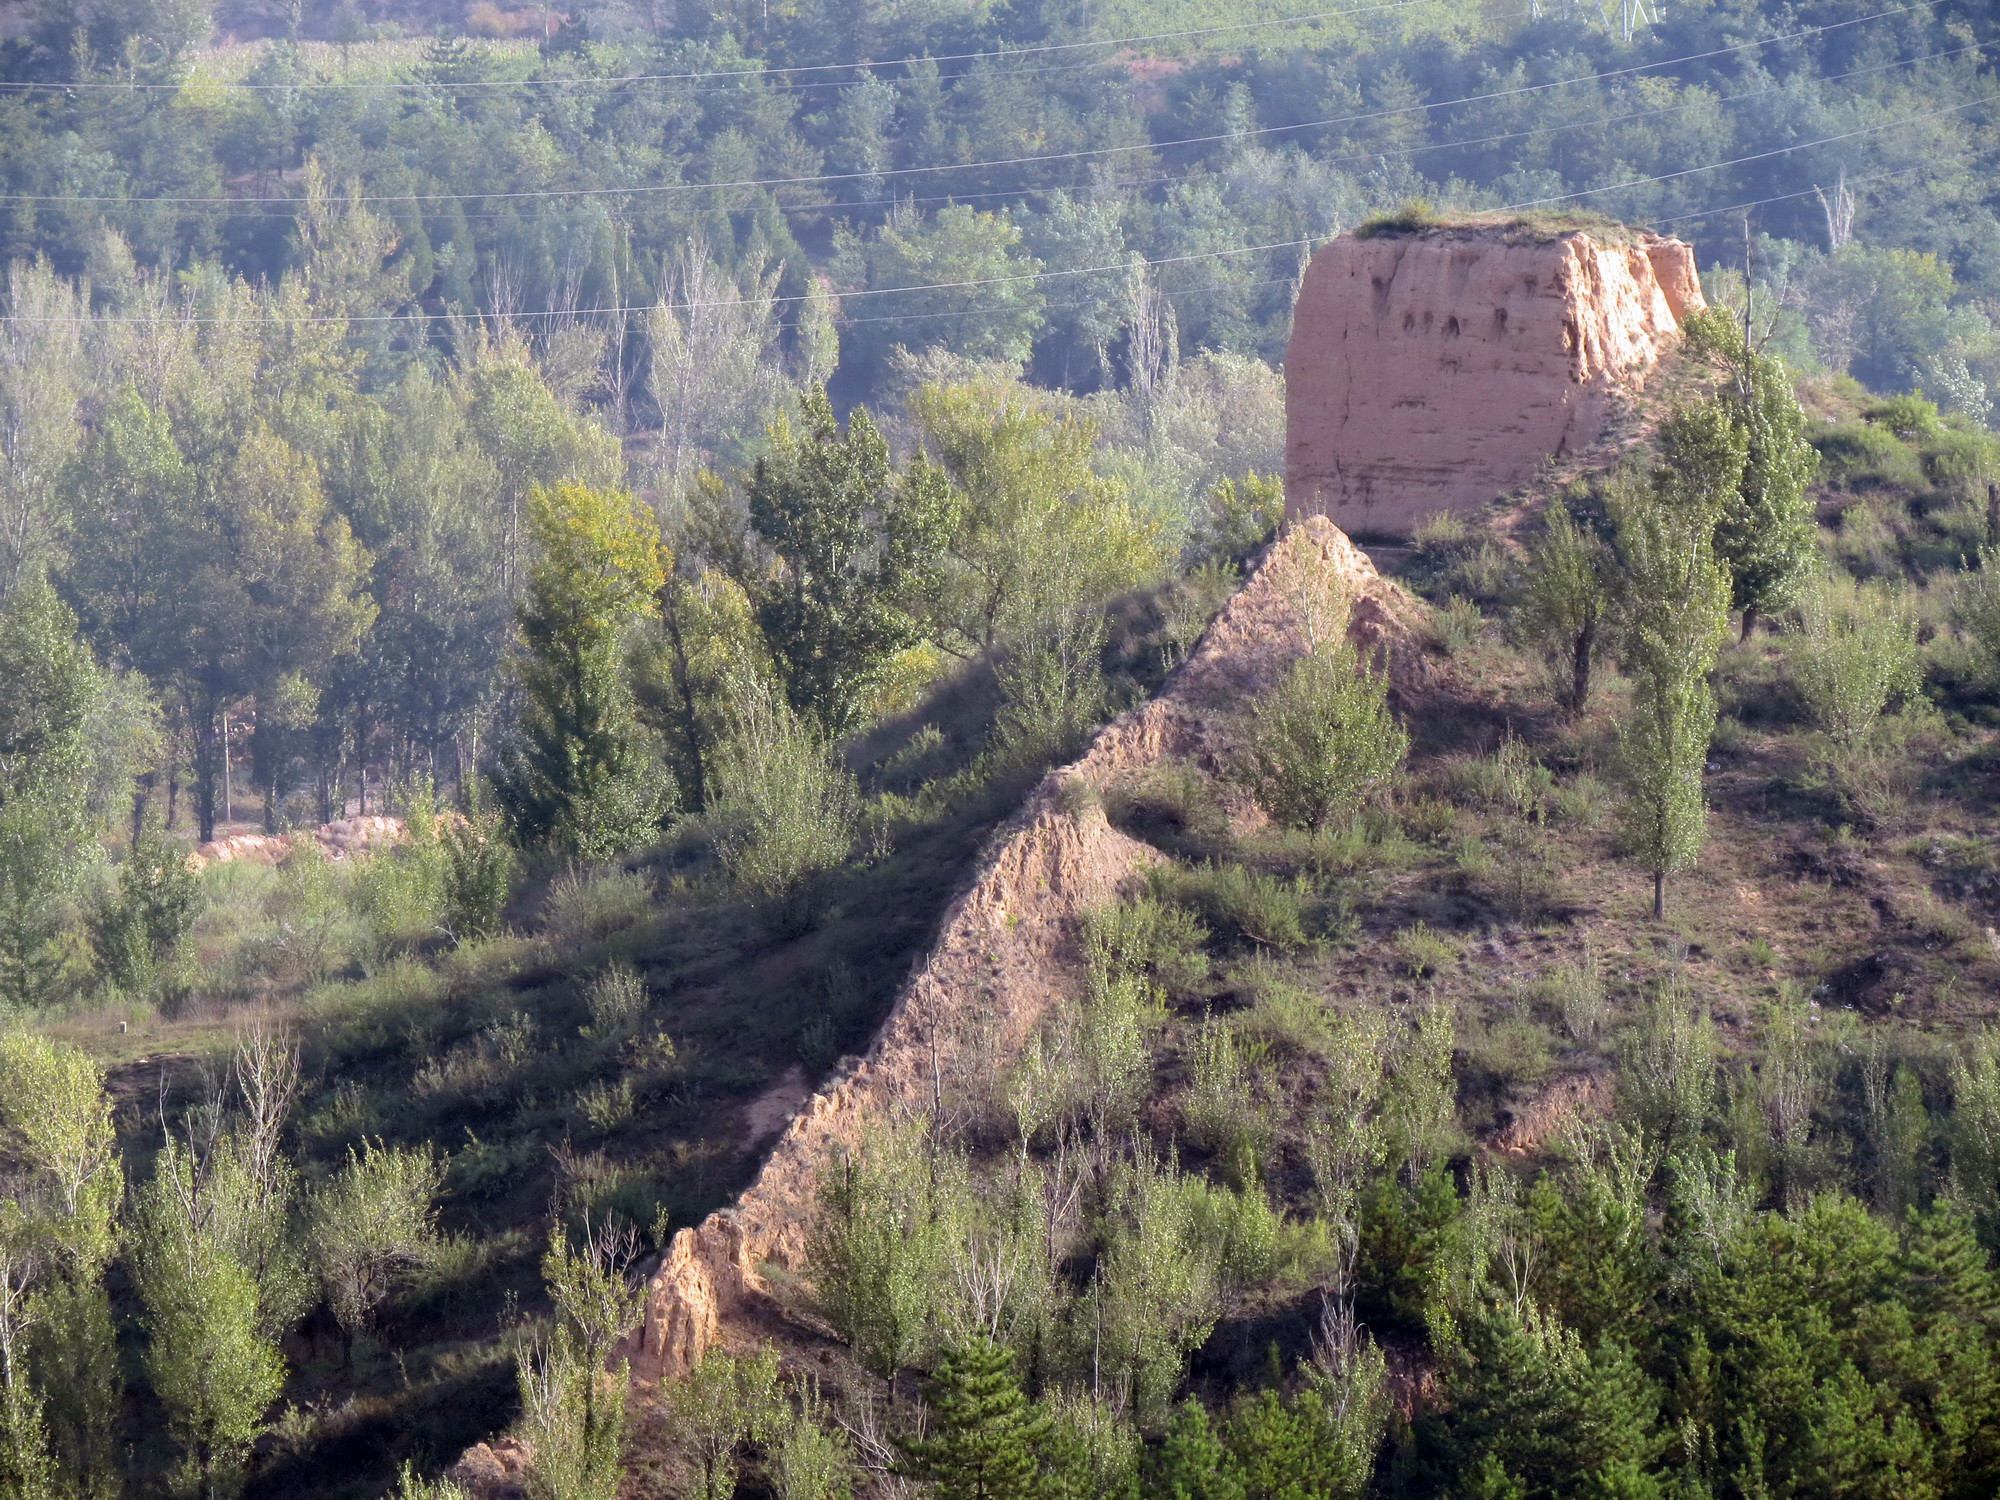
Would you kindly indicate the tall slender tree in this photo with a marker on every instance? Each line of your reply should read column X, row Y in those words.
column 1679, row 608
column 576, row 780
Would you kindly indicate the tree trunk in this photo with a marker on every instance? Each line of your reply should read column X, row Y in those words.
column 205, row 769
column 1749, row 624
column 1659, row 895
column 1579, row 690
column 691, row 724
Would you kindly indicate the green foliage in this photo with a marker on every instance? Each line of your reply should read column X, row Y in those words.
column 373, row 1220
column 1323, row 740
column 877, row 1249
column 1155, row 1296
column 53, row 686
column 1036, row 533
column 211, row 1355
column 573, row 1418
column 1566, row 602
column 987, row 1435
column 1054, row 691
column 810, row 1461
column 1669, row 1069
column 576, row 781
column 858, row 548
column 137, row 929
column 1765, row 532
column 725, row 1401
column 1679, row 596
column 1856, row 649
column 1241, row 515
column 785, row 808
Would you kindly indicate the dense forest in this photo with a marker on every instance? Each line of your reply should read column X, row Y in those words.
column 690, row 472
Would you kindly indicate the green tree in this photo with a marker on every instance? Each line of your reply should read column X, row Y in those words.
column 970, row 288
column 858, row 552
column 372, row 1220
column 985, row 1433
column 572, row 1417
column 1567, row 600
column 212, row 1360
column 62, row 1149
column 138, row 928
column 53, row 686
column 1036, row 532
column 1766, row 533
column 878, row 1253
column 1678, row 594
column 1323, row 739
column 1191, row 1462
column 725, row 1401
column 576, row 780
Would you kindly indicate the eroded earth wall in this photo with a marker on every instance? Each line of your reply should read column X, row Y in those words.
column 1433, row 372
column 1007, row 949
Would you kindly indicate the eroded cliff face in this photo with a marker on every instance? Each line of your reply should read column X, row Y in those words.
column 1434, row 372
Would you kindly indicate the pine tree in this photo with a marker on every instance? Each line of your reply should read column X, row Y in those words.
column 987, row 1434
column 576, row 781
column 1191, row 1463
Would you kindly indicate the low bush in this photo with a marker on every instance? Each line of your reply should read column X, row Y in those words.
column 1323, row 741
column 1247, row 905
column 1422, row 952
column 587, row 906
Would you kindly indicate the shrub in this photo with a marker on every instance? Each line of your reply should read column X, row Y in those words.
column 1218, row 1112
column 1457, row 625
column 1510, row 780
column 1856, row 649
column 585, row 907
column 1239, row 517
column 1155, row 939
column 1249, row 905
column 786, row 810
column 478, row 871
column 1054, row 691
column 617, row 1001
column 1323, row 741
column 1575, row 991
column 1422, row 953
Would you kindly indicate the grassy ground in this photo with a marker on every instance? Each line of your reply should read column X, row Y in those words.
column 551, row 1092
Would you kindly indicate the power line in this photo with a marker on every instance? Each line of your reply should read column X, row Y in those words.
column 1127, row 266
column 1086, row 154
column 615, row 81
column 1401, row 153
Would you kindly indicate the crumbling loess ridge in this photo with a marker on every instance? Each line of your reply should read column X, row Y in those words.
column 1006, row 951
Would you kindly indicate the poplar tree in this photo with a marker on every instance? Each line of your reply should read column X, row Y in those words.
column 1569, row 595
column 1679, row 602
column 576, row 780
column 61, row 1151
column 1765, row 530
column 49, row 687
